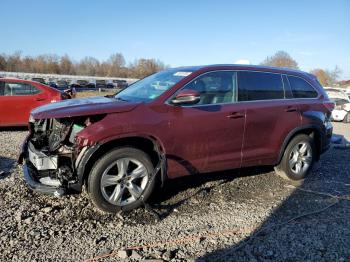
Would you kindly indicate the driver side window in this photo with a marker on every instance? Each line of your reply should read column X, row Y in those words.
column 216, row 87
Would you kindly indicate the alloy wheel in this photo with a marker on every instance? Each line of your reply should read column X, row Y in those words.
column 124, row 181
column 300, row 158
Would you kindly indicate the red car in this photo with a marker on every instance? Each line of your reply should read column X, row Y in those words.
column 18, row 97
column 178, row 122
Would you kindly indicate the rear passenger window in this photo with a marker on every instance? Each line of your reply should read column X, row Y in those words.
column 35, row 90
column 259, row 86
column 19, row 89
column 301, row 88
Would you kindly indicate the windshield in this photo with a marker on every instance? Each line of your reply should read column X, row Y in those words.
column 149, row 88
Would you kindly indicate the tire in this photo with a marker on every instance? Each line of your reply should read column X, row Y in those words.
column 120, row 180
column 296, row 163
column 347, row 118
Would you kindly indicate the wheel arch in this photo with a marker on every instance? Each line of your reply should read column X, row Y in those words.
column 148, row 144
column 310, row 130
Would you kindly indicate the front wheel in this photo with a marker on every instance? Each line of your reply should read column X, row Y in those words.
column 298, row 158
column 121, row 180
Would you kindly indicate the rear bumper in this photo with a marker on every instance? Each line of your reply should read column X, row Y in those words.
column 39, row 187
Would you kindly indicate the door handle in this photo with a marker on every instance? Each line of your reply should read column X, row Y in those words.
column 235, row 115
column 290, row 109
column 40, row 99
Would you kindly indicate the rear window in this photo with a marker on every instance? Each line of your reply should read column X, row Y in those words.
column 259, row 86
column 301, row 88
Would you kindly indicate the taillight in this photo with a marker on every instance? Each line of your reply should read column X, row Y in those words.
column 329, row 105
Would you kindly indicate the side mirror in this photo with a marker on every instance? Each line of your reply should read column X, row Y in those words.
column 186, row 97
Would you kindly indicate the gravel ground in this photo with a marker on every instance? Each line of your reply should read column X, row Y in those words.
column 245, row 215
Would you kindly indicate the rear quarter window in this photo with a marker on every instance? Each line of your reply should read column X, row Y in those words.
column 301, row 88
column 259, row 86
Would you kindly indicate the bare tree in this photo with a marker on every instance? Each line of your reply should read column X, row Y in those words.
column 2, row 62
column 14, row 62
column 281, row 59
column 40, row 64
column 322, row 76
column 66, row 65
column 335, row 74
column 104, row 69
column 117, row 60
column 52, row 64
column 114, row 66
column 144, row 67
column 327, row 77
column 88, row 66
column 28, row 64
column 115, row 63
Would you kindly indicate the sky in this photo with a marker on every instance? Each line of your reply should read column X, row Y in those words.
column 179, row 33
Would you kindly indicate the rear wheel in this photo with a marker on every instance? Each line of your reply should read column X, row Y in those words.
column 298, row 158
column 121, row 180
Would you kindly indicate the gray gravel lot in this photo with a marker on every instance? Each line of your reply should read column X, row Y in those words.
column 243, row 215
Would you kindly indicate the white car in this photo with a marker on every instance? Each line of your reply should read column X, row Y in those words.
column 341, row 111
column 348, row 92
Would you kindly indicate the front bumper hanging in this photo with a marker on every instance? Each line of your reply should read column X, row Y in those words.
column 28, row 172
column 39, row 187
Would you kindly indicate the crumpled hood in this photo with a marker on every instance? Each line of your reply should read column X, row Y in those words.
column 84, row 106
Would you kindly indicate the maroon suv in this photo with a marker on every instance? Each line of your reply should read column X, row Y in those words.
column 178, row 122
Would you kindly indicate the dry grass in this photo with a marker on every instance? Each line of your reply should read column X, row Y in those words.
column 95, row 93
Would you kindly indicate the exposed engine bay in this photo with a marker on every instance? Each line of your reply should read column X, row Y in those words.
column 52, row 148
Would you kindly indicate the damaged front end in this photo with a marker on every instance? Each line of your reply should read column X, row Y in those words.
column 52, row 154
